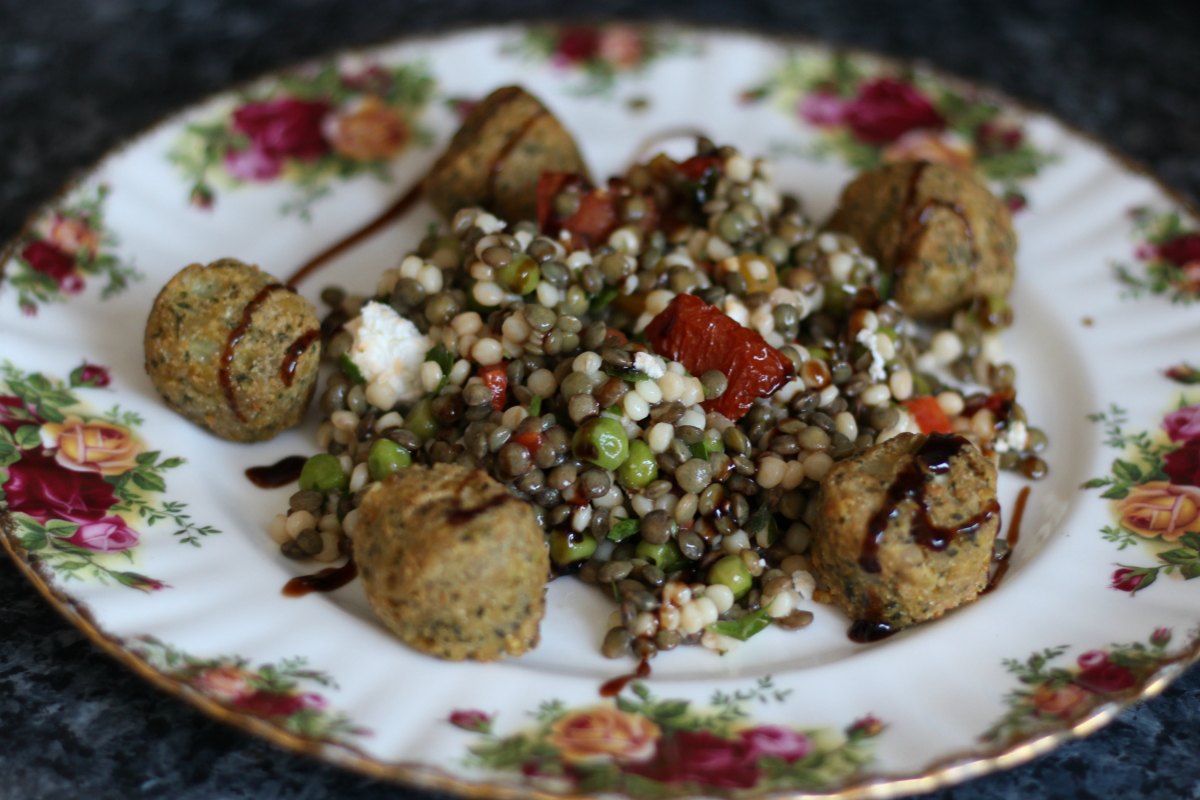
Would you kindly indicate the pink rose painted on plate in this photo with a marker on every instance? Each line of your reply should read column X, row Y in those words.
column 1183, row 424
column 639, row 745
column 311, row 128
column 105, row 535
column 76, row 484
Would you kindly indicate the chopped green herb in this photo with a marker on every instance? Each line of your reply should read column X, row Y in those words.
column 535, row 406
column 441, row 356
column 763, row 519
column 743, row 627
column 622, row 529
column 626, row 373
column 604, row 298
column 350, row 369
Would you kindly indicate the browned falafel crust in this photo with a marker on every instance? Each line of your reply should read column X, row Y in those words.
column 942, row 236
column 904, row 531
column 498, row 154
column 232, row 349
column 453, row 564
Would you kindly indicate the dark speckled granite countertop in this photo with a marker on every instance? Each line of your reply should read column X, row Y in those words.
column 77, row 78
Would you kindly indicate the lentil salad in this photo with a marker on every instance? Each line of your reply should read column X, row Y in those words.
column 529, row 349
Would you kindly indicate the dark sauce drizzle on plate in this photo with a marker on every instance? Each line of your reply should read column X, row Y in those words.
column 1002, row 557
column 327, row 580
column 614, row 686
column 281, row 473
column 395, row 211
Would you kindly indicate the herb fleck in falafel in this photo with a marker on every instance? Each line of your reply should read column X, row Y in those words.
column 452, row 563
column 904, row 530
column 942, row 235
column 233, row 350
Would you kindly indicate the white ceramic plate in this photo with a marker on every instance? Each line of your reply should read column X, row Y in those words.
column 144, row 531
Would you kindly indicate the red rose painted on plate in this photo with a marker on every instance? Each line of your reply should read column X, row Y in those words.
column 284, row 128
column 472, row 720
column 1048, row 694
column 41, row 488
column 310, row 129
column 273, row 692
column 701, row 758
column 90, row 375
column 601, row 54
column 885, row 109
column 1183, row 465
column 65, row 248
column 868, row 112
column 80, row 488
column 54, row 263
column 644, row 746
column 1154, row 489
column 1168, row 249
column 1099, row 675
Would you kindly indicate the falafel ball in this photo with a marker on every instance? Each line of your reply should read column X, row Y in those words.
column 498, row 154
column 942, row 236
column 234, row 350
column 904, row 530
column 453, row 564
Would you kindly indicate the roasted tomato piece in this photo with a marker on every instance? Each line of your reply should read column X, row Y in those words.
column 597, row 215
column 495, row 378
column 594, row 219
column 928, row 414
column 702, row 337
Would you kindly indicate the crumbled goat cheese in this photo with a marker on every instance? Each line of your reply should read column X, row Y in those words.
column 877, row 370
column 388, row 350
column 650, row 365
column 1016, row 438
column 489, row 224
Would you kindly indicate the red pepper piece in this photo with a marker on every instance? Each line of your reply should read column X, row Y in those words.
column 595, row 219
column 1000, row 403
column 702, row 337
column 928, row 414
column 618, row 335
column 495, row 378
column 592, row 222
column 596, row 216
column 697, row 167
column 548, row 187
column 530, row 441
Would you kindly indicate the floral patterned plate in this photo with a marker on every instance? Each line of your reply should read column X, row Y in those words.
column 143, row 530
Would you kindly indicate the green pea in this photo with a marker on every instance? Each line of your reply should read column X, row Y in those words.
column 521, row 275
column 603, row 442
column 567, row 547
column 640, row 469
column 323, row 473
column 386, row 457
column 665, row 556
column 420, row 420
column 732, row 572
